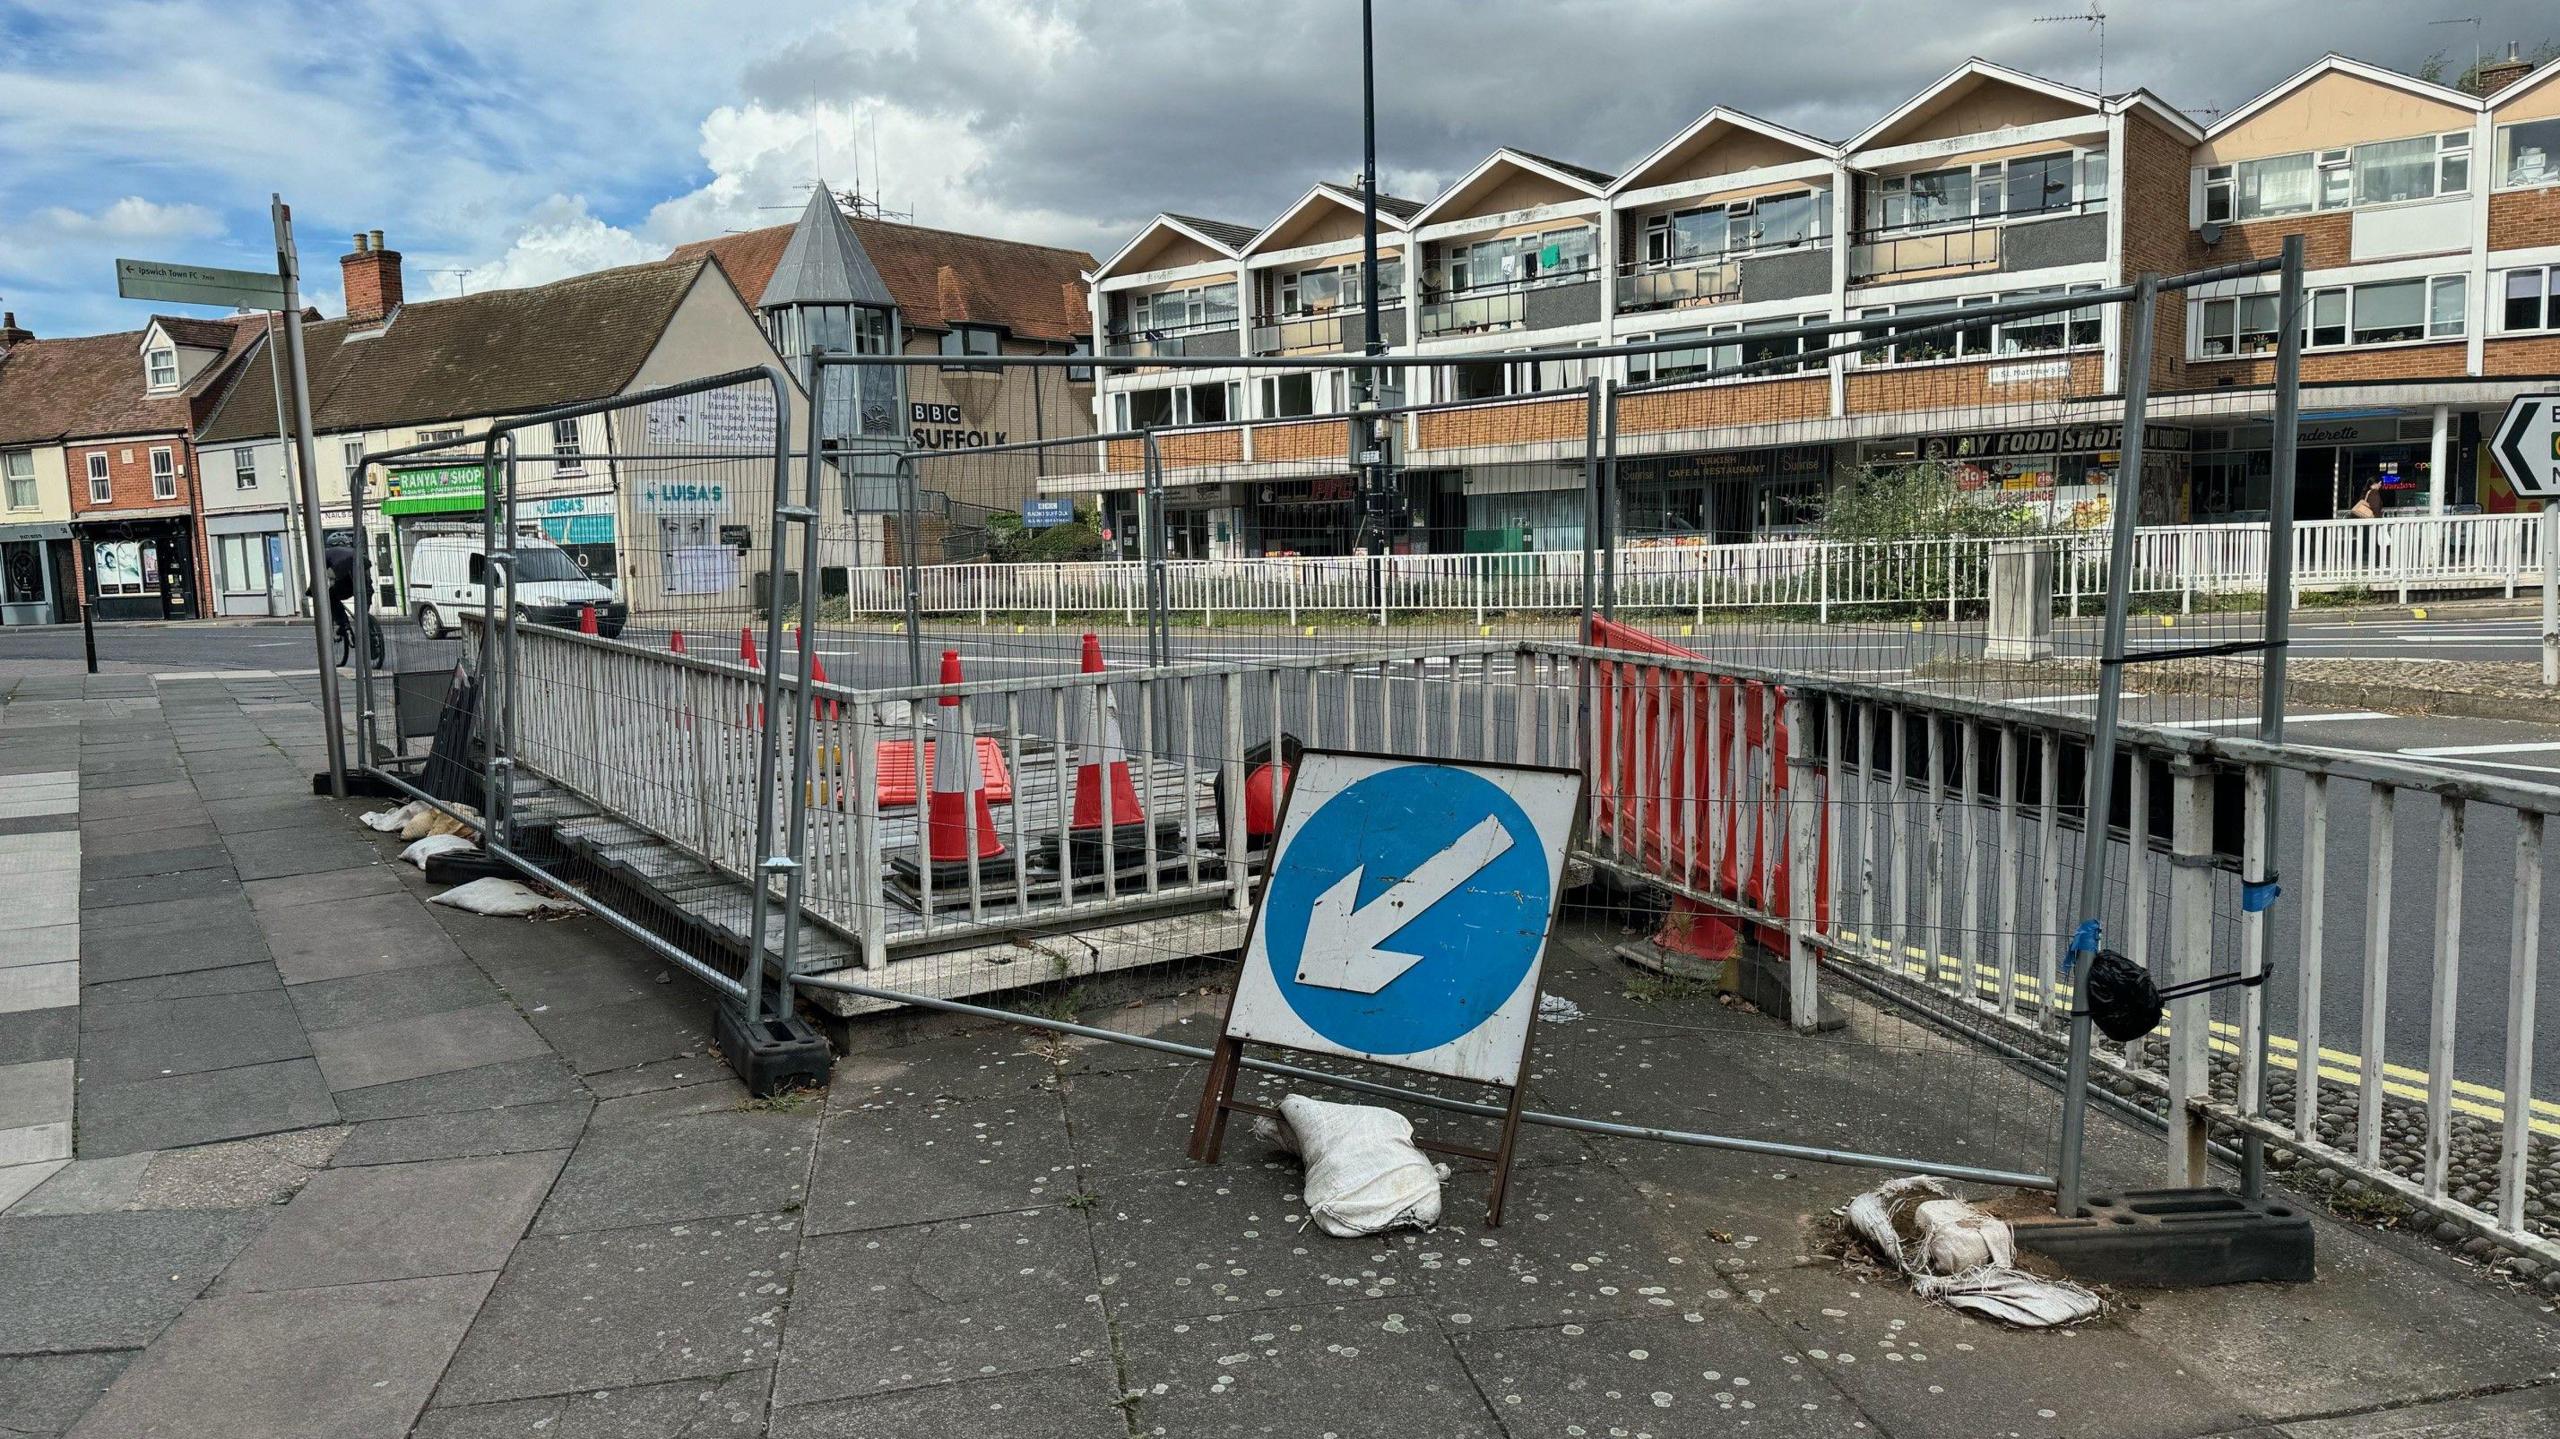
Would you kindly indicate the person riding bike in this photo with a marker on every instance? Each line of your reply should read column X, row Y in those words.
column 340, row 562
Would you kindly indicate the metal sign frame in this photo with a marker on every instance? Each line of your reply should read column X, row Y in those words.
column 1217, row 1096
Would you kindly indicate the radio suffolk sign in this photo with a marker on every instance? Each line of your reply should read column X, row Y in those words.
column 736, row 417
column 943, row 427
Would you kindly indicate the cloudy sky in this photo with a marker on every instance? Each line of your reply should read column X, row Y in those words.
column 576, row 134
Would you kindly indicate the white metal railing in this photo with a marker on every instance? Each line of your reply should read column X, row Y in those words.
column 2394, row 557
column 1930, row 838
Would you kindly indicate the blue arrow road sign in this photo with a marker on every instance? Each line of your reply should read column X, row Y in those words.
column 1406, row 909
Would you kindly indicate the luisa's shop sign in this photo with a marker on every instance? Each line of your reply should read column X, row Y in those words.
column 938, row 426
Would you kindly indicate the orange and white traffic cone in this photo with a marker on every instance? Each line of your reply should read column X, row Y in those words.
column 1108, row 816
column 959, row 823
column 748, row 657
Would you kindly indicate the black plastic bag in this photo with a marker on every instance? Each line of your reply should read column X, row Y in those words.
column 2123, row 1002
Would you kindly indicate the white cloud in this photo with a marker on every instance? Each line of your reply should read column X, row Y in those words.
column 560, row 238
column 57, row 234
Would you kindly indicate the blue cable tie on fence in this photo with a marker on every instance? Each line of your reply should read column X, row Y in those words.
column 2256, row 896
column 2084, row 940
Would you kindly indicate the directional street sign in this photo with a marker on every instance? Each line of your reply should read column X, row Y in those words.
column 198, row 285
column 2528, row 446
column 1406, row 915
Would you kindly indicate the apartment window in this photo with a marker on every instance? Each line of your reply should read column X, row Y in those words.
column 2529, row 154
column 351, row 457
column 102, row 490
column 2036, row 184
column 244, row 469
column 1197, row 307
column 1549, row 257
column 2027, row 185
column 1144, row 409
column 2382, row 172
column 1289, row 397
column 1207, row 404
column 162, row 365
column 567, row 452
column 1483, row 380
column 164, row 473
column 2388, row 312
column 2533, row 299
column 2025, row 334
column 2093, row 176
column 1772, row 222
column 2218, row 195
column 2278, row 185
column 18, row 479
column 1080, row 374
column 1332, row 287
column 2239, row 325
column 971, row 340
column 2394, row 170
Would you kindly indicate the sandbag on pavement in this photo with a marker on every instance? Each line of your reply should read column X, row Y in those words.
column 504, row 898
column 389, row 820
column 431, row 820
column 1959, row 1255
column 433, row 845
column 1363, row 1172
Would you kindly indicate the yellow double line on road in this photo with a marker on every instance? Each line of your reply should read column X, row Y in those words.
column 2346, row 1067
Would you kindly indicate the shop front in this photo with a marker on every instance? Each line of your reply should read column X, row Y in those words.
column 416, row 500
column 2064, row 475
column 140, row 567
column 2339, row 459
column 1723, row 496
column 252, row 570
column 587, row 526
column 38, row 577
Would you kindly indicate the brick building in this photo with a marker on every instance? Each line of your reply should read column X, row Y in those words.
column 2432, row 224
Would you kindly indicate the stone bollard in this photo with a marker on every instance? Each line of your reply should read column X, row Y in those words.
column 2021, row 600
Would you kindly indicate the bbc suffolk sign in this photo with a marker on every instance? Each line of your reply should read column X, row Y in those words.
column 938, row 426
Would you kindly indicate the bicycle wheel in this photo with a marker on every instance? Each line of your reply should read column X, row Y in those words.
column 338, row 656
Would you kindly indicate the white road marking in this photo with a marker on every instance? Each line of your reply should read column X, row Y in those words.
column 2290, row 719
column 2499, row 764
column 2452, row 751
column 2486, row 644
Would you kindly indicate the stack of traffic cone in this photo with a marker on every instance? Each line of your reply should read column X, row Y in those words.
column 748, row 657
column 1108, row 820
column 960, row 826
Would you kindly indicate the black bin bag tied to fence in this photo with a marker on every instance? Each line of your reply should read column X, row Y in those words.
column 2125, row 1004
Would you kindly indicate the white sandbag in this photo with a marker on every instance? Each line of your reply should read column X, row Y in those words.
column 1959, row 1255
column 431, row 820
column 1363, row 1172
column 504, row 898
column 388, row 820
column 433, row 845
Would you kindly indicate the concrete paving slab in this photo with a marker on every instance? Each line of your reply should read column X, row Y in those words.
column 689, row 1072
column 35, row 1143
column 1719, row 1371
column 1077, row 1401
column 932, row 1303
column 328, row 886
column 35, row 1093
column 993, row 1064
column 1920, row 1368
column 39, row 986
column 715, row 1093
column 264, row 809
column 517, row 1129
column 262, row 1170
column 229, row 979
column 670, row 1025
column 358, row 936
column 694, row 1166
column 524, row 1081
column 17, row 1181
column 88, row 1186
column 1134, row 1122
column 369, row 1223
column 168, row 916
column 365, row 1055
column 123, row 1043
column 45, row 1393
column 607, row 1309
column 2384, row 1322
column 568, row 983
column 202, row 1108
column 41, row 944
column 109, row 1281
column 2516, row 1414
column 687, row 1409
column 1354, row 1369
column 273, row 854
column 909, row 1165
column 36, row 1034
column 386, row 995
column 148, row 886
column 350, row 1361
column 172, row 859
column 109, row 956
column 1177, row 1245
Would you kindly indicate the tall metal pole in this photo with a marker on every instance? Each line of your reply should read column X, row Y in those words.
column 2278, row 634
column 2099, row 775
column 295, row 583
column 1371, row 472
column 1593, row 534
column 289, row 270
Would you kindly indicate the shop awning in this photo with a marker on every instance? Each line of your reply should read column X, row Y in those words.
column 117, row 517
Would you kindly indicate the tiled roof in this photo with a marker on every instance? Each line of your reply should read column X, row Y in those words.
column 1023, row 287
column 194, row 331
column 499, row 352
column 1396, row 205
column 1596, row 177
column 92, row 387
column 1225, row 232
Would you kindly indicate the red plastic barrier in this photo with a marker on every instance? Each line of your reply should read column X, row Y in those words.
column 897, row 771
column 1663, row 820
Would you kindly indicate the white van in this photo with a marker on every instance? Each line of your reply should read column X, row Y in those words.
column 448, row 575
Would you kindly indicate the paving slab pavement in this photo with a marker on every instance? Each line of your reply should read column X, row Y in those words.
column 502, row 1188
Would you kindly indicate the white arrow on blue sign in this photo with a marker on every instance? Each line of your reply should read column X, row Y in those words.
column 1405, row 919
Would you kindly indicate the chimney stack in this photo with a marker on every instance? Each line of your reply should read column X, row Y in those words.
column 2499, row 74
column 372, row 276
column 10, row 334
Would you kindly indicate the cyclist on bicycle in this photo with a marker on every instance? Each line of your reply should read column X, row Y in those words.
column 341, row 562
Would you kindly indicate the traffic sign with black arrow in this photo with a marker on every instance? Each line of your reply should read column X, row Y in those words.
column 2528, row 446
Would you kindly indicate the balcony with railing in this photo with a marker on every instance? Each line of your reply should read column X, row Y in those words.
column 1678, row 284
column 1207, row 337
column 2064, row 234
column 1327, row 332
column 1568, row 298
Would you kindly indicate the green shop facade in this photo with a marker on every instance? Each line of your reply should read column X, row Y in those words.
column 419, row 500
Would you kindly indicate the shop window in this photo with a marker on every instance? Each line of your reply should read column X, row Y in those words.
column 243, row 562
column 119, row 566
column 2529, row 153
column 18, row 479
column 102, row 489
column 244, row 469
column 2533, row 299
